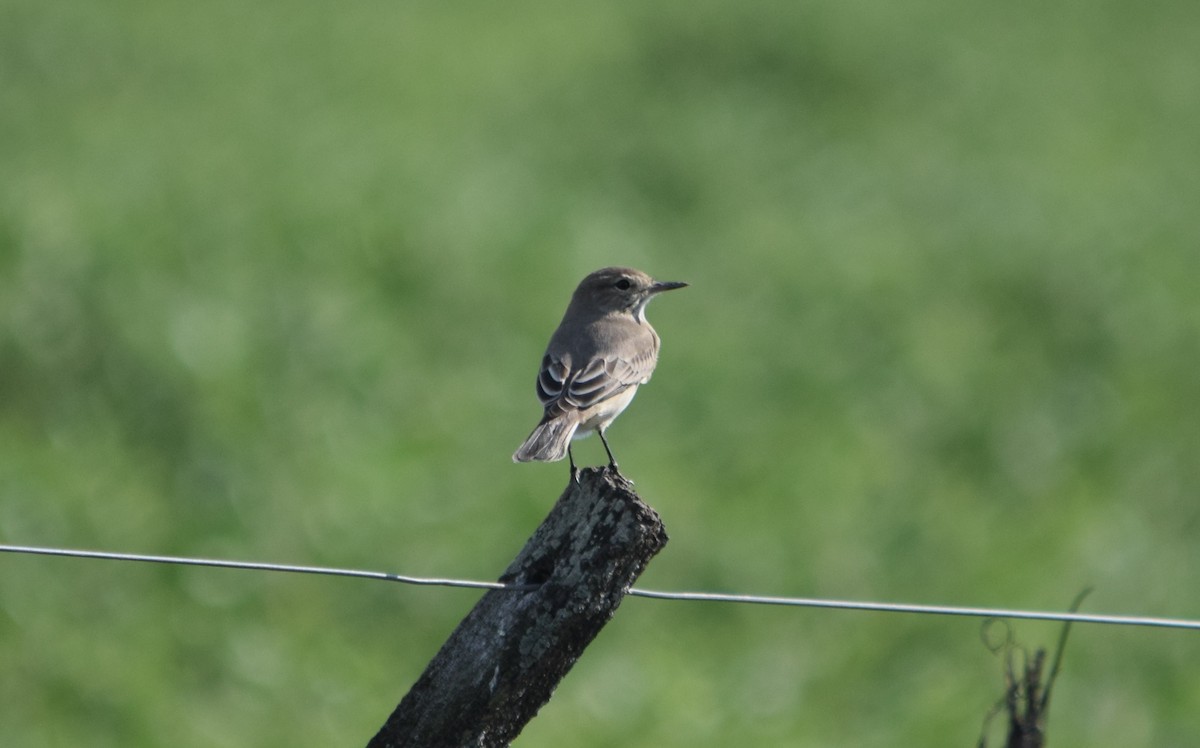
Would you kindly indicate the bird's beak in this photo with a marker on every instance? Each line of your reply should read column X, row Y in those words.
column 660, row 286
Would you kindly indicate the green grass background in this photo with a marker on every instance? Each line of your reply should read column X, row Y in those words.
column 275, row 279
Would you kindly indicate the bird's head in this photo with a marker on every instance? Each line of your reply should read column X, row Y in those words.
column 619, row 289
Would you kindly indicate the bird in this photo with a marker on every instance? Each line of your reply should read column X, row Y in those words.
column 602, row 351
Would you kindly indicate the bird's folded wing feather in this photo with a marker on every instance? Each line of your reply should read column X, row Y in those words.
column 581, row 388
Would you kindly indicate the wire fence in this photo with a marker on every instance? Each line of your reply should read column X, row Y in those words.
column 708, row 597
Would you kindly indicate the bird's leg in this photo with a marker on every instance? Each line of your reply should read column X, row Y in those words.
column 612, row 461
column 574, row 470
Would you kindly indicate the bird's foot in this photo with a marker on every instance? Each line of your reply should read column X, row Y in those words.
column 615, row 469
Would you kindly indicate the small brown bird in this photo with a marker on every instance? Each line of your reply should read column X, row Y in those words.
column 601, row 352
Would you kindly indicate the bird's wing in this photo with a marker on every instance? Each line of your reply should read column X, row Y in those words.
column 561, row 385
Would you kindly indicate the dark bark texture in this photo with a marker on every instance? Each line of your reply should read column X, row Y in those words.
column 503, row 662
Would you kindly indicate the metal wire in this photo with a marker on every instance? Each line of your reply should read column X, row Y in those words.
column 940, row 610
column 257, row 566
column 803, row 602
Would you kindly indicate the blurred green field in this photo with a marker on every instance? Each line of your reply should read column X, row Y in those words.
column 275, row 280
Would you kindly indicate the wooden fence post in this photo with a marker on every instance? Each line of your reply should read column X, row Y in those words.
column 506, row 657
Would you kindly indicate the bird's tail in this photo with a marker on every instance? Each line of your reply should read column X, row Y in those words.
column 549, row 441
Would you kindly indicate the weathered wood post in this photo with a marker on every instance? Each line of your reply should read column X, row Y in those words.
column 508, row 655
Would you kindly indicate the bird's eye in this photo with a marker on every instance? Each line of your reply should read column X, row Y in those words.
column 623, row 284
